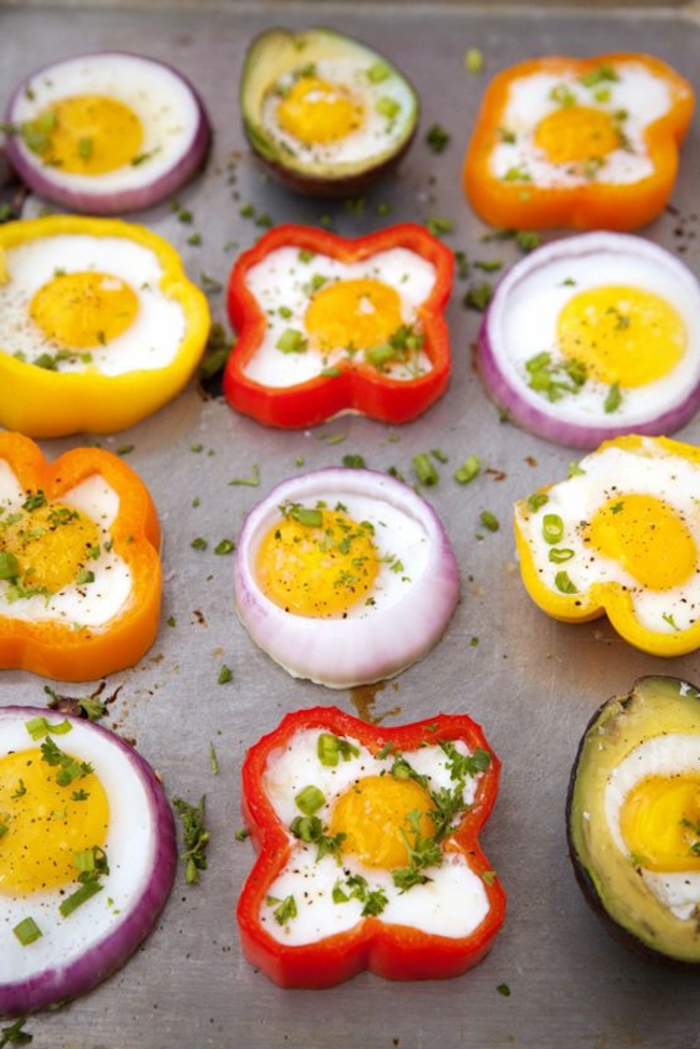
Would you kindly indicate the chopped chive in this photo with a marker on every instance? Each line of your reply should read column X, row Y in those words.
column 489, row 520
column 310, row 800
column 425, row 469
column 225, row 675
column 469, row 469
column 27, row 931
column 87, row 890
column 552, row 528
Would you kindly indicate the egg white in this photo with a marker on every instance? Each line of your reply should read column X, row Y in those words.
column 130, row 849
column 151, row 342
column 376, row 135
column 164, row 103
column 82, row 605
column 643, row 96
column 452, row 904
column 281, row 282
column 668, row 755
column 531, row 297
column 607, row 473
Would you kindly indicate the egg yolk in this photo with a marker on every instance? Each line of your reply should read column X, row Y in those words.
column 318, row 113
column 48, row 547
column 317, row 562
column 647, row 537
column 660, row 822
column 87, row 134
column 84, row 310
column 353, row 314
column 381, row 818
column 621, row 334
column 44, row 823
column 577, row 133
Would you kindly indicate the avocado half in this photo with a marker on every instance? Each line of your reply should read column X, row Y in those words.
column 278, row 55
column 613, row 881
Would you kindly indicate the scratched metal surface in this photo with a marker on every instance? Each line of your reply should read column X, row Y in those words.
column 532, row 683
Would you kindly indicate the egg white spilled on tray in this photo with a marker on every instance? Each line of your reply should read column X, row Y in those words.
column 57, row 558
column 321, row 311
column 338, row 110
column 352, row 861
column 81, row 303
column 562, row 130
column 652, row 808
column 72, row 804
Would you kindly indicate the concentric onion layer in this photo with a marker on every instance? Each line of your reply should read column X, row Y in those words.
column 78, row 951
column 384, row 634
column 175, row 132
column 520, row 326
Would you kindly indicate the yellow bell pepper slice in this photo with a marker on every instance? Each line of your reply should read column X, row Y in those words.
column 620, row 537
column 99, row 325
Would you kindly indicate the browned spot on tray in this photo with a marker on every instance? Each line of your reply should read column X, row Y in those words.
column 199, row 617
column 363, row 698
column 498, row 475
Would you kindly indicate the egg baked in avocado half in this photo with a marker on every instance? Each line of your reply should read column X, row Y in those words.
column 633, row 818
column 324, row 112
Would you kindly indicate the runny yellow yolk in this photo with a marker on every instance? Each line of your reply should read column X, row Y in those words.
column 353, row 314
column 318, row 113
column 89, row 134
column 660, row 822
column 573, row 134
column 622, row 334
column 647, row 537
column 317, row 563
column 45, row 823
column 84, row 310
column 379, row 816
column 51, row 546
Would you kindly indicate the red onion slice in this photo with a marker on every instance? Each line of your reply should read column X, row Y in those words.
column 76, row 952
column 176, row 131
column 521, row 322
column 411, row 604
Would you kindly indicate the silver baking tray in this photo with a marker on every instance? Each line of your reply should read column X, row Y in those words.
column 532, row 683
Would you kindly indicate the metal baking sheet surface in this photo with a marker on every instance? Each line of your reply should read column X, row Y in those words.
column 531, row 683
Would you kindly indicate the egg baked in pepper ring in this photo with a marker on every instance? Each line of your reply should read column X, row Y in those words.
column 99, row 325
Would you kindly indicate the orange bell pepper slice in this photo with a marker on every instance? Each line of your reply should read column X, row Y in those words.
column 594, row 151
column 86, row 516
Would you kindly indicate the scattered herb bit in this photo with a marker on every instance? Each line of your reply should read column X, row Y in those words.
column 425, row 469
column 251, row 482
column 195, row 837
column 564, row 584
column 613, row 400
column 439, row 225
column 286, row 909
column 242, row 835
column 225, row 675
column 437, row 138
column 91, row 707
column 504, row 989
column 478, row 297
column 470, row 468
column 331, row 748
column 225, row 546
column 489, row 520
column 354, row 462
column 27, row 931
column 310, row 800
column 474, row 60
column 199, row 543
column 215, row 355
column 14, row 1035
column 213, row 760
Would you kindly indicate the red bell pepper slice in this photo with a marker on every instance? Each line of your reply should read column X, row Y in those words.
column 394, row 951
column 352, row 383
